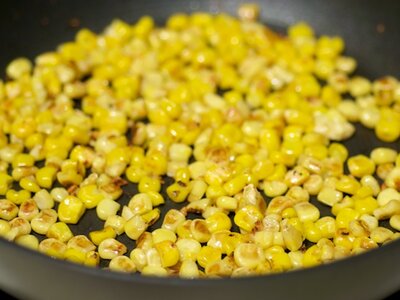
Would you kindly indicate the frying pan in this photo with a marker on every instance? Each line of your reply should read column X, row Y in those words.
column 371, row 30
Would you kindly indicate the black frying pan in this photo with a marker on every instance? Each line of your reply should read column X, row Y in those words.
column 371, row 30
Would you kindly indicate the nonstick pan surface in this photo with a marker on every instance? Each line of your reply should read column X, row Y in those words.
column 371, row 30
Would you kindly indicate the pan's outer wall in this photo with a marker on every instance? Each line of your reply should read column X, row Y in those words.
column 369, row 276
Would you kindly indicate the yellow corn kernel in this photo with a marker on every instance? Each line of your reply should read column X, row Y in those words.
column 60, row 231
column 198, row 189
column 17, row 197
column 188, row 248
column 74, row 255
column 135, row 226
column 382, row 155
column 292, row 237
column 306, row 212
column 218, row 221
column 178, row 191
column 215, row 191
column 90, row 195
column 154, row 271
column 312, row 257
column 98, row 236
column 107, row 208
column 53, row 248
column 161, row 234
column 312, row 232
column 329, row 196
column 365, row 205
column 327, row 227
column 345, row 216
column 4, row 228
column 29, row 183
column 149, row 184
column 274, row 188
column 92, row 259
column 156, row 198
column 235, row 185
column 360, row 165
column 45, row 176
column 71, row 210
column 5, row 183
column 168, row 252
column 247, row 217
column 28, row 241
column 189, row 269
column 111, row 248
column 208, row 255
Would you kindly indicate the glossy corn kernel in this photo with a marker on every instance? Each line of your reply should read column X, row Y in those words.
column 111, row 248
column 208, row 255
column 106, row 208
column 28, row 241
column 70, row 210
column 168, row 252
column 60, row 231
column 122, row 264
column 98, row 236
column 135, row 226
column 247, row 217
column 53, row 248
column 42, row 222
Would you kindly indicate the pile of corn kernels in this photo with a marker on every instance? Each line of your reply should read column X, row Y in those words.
column 246, row 122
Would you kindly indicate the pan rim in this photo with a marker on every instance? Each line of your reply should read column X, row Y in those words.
column 178, row 281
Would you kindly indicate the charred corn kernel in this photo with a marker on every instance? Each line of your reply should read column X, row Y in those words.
column 208, row 255
column 43, row 221
column 135, row 226
column 178, row 191
column 218, row 221
column 8, row 210
column 395, row 222
column 53, row 248
column 360, row 165
column 327, row 227
column 28, row 210
column 111, row 248
column 161, row 234
column 387, row 195
column 274, row 188
column 248, row 255
column 98, row 236
column 345, row 216
column 5, row 182
column 45, row 176
column 199, row 230
column 247, row 217
column 70, row 210
column 381, row 234
column 28, row 241
column 122, row 264
column 81, row 244
column 107, row 208
column 168, row 252
column 152, row 216
column 59, row 194
column 385, row 212
column 173, row 218
column 60, row 231
column 306, row 212
column 29, row 183
column 92, row 259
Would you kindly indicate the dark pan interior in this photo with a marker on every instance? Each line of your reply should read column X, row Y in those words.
column 371, row 32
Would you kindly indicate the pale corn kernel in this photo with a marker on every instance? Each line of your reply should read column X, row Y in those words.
column 107, row 208
column 60, row 231
column 248, row 255
column 59, row 194
column 43, row 199
column 381, row 235
column 134, row 227
column 97, row 236
column 122, row 264
column 172, row 219
column 387, row 195
column 116, row 222
column 306, row 211
column 371, row 182
column 189, row 269
column 43, row 221
column 313, row 184
column 81, row 243
column 386, row 211
column 8, row 210
column 154, row 271
column 383, row 155
column 392, row 179
column 368, row 222
column 329, row 196
column 53, row 247
column 274, row 188
column 395, row 222
column 161, row 234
